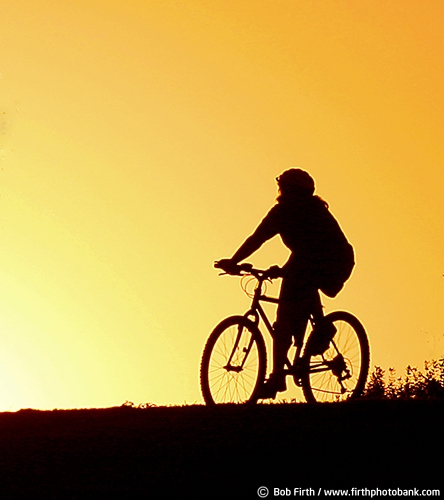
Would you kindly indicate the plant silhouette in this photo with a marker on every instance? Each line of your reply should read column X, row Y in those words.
column 415, row 384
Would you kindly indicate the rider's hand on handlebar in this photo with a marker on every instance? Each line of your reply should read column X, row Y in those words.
column 274, row 272
column 227, row 265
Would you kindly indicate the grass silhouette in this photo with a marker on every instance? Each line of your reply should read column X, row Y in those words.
column 415, row 384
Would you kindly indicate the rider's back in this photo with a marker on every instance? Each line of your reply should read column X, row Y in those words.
column 315, row 239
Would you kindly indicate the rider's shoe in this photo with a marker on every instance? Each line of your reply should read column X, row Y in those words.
column 321, row 338
column 276, row 383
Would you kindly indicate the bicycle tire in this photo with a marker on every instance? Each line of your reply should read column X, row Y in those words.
column 341, row 372
column 238, row 341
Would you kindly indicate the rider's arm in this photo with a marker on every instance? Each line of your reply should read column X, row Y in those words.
column 249, row 246
column 265, row 231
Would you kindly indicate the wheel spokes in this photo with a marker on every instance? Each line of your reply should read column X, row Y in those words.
column 234, row 365
column 335, row 374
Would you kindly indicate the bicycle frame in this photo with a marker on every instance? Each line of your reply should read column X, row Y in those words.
column 256, row 312
column 237, row 345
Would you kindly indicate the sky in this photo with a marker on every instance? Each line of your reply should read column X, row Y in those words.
column 140, row 142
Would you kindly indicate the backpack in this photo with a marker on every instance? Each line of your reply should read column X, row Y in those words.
column 310, row 231
column 335, row 256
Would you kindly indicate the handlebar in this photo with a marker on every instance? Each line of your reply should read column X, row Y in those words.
column 232, row 269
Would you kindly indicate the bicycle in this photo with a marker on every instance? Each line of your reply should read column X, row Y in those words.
column 234, row 360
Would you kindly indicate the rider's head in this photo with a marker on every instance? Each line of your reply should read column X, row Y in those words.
column 295, row 182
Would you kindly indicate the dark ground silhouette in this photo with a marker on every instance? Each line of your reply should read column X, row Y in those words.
column 223, row 452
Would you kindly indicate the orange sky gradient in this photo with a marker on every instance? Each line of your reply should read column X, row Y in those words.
column 140, row 141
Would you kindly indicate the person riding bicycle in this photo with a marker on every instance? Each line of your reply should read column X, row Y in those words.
column 321, row 259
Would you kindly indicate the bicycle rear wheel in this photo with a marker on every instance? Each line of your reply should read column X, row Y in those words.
column 234, row 363
column 341, row 372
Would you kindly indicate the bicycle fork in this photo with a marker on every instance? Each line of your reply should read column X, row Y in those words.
column 245, row 350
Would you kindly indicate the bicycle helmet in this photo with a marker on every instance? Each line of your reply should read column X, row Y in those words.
column 296, row 179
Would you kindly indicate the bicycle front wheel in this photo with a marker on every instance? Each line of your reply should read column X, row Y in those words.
column 234, row 363
column 341, row 372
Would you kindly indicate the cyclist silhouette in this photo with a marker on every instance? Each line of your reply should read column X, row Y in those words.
column 321, row 259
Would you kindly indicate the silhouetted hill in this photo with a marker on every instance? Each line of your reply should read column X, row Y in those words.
column 226, row 451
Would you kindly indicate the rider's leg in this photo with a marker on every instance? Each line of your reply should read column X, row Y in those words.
column 295, row 304
column 316, row 306
column 324, row 330
column 286, row 327
column 298, row 300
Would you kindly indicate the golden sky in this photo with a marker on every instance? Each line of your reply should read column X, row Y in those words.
column 140, row 141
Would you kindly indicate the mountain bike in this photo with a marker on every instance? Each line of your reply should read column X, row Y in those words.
column 234, row 360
